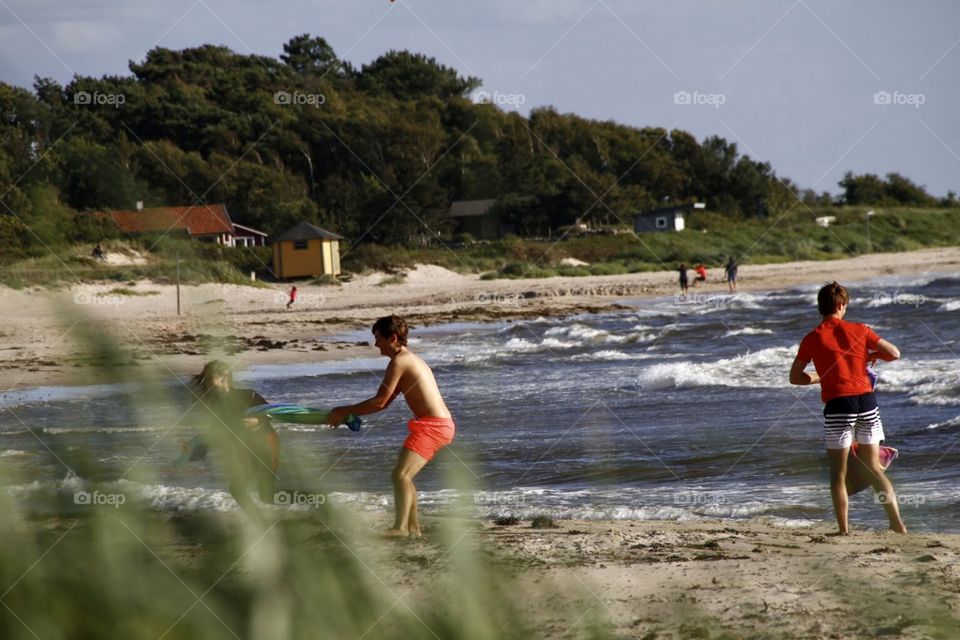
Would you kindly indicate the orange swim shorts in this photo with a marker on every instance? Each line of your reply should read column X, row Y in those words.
column 428, row 435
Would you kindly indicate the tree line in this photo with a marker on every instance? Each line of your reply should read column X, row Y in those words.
column 376, row 153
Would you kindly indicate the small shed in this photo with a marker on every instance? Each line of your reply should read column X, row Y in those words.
column 244, row 236
column 476, row 217
column 664, row 219
column 306, row 250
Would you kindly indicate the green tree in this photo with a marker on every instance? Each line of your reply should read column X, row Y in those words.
column 411, row 76
column 308, row 55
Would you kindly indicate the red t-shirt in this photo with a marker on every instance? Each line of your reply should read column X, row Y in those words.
column 839, row 353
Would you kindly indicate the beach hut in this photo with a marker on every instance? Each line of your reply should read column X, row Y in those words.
column 306, row 250
column 664, row 219
column 479, row 218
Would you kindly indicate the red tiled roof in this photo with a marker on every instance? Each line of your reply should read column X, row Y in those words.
column 198, row 220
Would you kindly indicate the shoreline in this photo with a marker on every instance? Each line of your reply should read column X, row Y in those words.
column 55, row 338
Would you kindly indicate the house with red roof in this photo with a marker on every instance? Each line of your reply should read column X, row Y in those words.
column 204, row 222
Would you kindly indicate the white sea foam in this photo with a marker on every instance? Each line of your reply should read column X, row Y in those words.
column 610, row 355
column 927, row 382
column 173, row 498
column 953, row 422
column 950, row 305
column 13, row 453
column 766, row 368
column 748, row 331
column 583, row 333
column 119, row 430
column 520, row 345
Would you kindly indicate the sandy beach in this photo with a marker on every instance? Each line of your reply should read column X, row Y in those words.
column 743, row 578
column 618, row 579
column 45, row 335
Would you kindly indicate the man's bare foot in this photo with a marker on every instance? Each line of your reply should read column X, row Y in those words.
column 415, row 533
column 396, row 533
column 898, row 528
column 836, row 534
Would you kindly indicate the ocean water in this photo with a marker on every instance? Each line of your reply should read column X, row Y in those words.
column 673, row 409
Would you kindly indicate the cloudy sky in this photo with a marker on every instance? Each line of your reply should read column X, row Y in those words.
column 815, row 87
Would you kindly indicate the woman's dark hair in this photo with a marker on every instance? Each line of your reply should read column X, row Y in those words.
column 203, row 381
column 830, row 297
column 388, row 326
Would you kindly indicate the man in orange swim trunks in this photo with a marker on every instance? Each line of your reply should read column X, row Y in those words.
column 431, row 429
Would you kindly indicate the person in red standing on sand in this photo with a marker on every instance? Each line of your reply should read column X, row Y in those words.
column 293, row 297
column 840, row 352
column 431, row 429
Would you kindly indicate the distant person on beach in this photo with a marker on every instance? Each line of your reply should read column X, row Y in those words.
column 98, row 253
column 293, row 297
column 431, row 429
column 684, row 285
column 701, row 272
column 731, row 272
column 250, row 445
column 840, row 352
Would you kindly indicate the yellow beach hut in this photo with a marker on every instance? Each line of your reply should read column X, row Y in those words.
column 306, row 250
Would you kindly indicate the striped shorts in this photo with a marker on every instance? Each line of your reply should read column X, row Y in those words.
column 852, row 415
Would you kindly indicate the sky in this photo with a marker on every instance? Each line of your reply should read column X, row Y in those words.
column 815, row 87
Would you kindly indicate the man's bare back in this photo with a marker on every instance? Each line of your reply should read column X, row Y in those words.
column 414, row 379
